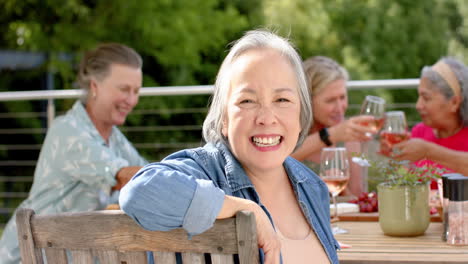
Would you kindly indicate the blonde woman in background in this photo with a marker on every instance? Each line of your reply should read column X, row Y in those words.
column 327, row 85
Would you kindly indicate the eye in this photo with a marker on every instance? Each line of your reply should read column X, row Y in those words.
column 246, row 101
column 282, row 100
column 124, row 89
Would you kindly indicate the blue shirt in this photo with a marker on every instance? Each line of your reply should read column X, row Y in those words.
column 187, row 190
column 75, row 172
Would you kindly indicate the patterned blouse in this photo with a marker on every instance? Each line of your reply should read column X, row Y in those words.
column 75, row 172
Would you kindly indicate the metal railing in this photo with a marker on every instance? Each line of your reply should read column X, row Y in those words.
column 18, row 159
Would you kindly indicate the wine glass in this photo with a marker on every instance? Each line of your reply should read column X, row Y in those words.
column 394, row 131
column 334, row 171
column 374, row 106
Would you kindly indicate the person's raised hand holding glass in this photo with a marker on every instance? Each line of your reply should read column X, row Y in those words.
column 395, row 130
column 374, row 106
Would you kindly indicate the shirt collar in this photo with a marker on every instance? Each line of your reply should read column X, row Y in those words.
column 83, row 117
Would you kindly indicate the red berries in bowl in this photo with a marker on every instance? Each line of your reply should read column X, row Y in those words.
column 367, row 202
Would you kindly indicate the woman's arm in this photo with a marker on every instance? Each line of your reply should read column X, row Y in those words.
column 311, row 145
column 266, row 235
column 174, row 194
column 357, row 173
column 164, row 197
column 416, row 149
column 348, row 130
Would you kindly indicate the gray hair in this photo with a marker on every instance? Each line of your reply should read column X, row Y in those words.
column 441, row 86
column 255, row 39
column 96, row 63
column 321, row 70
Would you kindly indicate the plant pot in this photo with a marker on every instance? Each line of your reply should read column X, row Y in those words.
column 403, row 210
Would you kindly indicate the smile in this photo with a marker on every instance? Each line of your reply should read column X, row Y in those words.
column 266, row 141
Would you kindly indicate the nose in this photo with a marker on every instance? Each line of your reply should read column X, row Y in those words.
column 419, row 104
column 342, row 106
column 266, row 116
column 132, row 99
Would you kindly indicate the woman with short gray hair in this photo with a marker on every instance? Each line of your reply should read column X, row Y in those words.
column 253, row 40
column 443, row 107
column 259, row 114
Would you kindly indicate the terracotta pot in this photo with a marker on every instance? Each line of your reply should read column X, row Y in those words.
column 403, row 210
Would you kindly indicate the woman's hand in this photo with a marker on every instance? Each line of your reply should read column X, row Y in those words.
column 124, row 175
column 413, row 150
column 354, row 129
column 267, row 238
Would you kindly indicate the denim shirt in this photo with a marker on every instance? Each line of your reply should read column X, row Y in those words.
column 187, row 190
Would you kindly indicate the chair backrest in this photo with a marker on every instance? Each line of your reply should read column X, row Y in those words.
column 111, row 236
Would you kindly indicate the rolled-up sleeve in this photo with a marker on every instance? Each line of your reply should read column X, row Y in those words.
column 201, row 211
column 163, row 197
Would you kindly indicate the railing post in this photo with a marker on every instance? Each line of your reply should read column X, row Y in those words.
column 50, row 102
column 50, row 112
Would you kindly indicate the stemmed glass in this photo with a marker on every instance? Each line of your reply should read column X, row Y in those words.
column 394, row 131
column 374, row 106
column 334, row 171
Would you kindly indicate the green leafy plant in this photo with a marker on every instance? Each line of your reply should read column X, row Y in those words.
column 400, row 173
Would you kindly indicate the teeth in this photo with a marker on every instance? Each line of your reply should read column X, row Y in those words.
column 266, row 141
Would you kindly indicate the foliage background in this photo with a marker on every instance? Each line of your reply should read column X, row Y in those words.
column 184, row 41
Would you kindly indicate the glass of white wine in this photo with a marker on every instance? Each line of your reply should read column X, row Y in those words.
column 374, row 106
column 334, row 171
column 394, row 131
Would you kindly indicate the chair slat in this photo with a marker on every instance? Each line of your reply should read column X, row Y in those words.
column 193, row 258
column 119, row 231
column 164, row 257
column 82, row 256
column 107, row 256
column 56, row 256
column 134, row 257
column 247, row 237
column 222, row 259
column 29, row 254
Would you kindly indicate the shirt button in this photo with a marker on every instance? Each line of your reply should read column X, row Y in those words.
column 107, row 169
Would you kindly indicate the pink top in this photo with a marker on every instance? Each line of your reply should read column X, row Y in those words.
column 458, row 142
column 306, row 250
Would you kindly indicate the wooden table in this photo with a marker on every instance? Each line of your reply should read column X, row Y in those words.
column 370, row 245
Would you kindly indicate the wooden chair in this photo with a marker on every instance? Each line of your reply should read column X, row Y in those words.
column 113, row 237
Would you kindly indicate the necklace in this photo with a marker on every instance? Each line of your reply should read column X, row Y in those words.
column 437, row 134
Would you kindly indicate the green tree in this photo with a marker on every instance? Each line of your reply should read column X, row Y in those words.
column 181, row 39
column 373, row 39
column 182, row 42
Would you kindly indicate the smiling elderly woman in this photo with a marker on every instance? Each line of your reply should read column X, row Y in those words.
column 442, row 136
column 85, row 156
column 259, row 114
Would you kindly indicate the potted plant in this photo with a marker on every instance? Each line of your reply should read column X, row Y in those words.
column 403, row 196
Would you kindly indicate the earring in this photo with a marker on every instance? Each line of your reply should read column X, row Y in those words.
column 94, row 95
